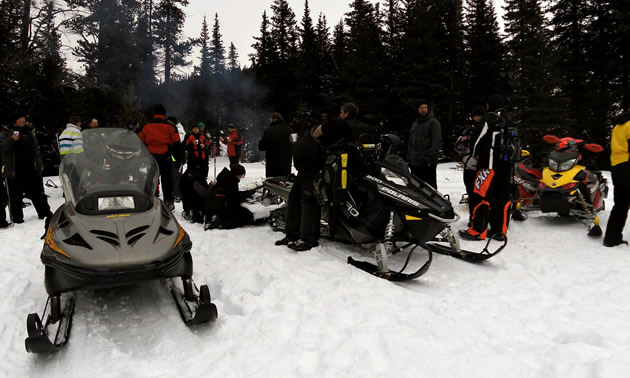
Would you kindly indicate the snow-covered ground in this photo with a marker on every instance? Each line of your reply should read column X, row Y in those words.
column 554, row 303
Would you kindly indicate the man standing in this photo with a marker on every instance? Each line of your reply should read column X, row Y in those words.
column 278, row 147
column 491, row 192
column 70, row 140
column 93, row 124
column 22, row 168
column 620, row 171
column 159, row 135
column 425, row 141
column 234, row 140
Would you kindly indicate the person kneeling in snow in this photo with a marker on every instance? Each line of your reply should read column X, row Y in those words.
column 223, row 203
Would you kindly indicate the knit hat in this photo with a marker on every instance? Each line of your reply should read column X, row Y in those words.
column 231, row 125
column 159, row 110
column 495, row 102
column 15, row 115
column 201, row 125
column 478, row 111
column 423, row 102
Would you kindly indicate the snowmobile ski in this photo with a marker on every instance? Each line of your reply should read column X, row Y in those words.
column 465, row 255
column 52, row 334
column 194, row 304
column 382, row 271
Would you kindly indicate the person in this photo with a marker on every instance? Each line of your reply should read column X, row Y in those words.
column 22, row 168
column 620, row 172
column 93, row 124
column 491, row 192
column 193, row 187
column 70, row 140
column 463, row 147
column 178, row 156
column 303, row 211
column 223, row 203
column 425, row 141
column 197, row 146
column 234, row 140
column 361, row 132
column 159, row 136
column 278, row 146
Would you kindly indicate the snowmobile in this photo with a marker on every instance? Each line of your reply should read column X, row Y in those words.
column 566, row 186
column 369, row 197
column 111, row 231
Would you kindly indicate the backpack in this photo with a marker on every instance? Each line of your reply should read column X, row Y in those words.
column 509, row 144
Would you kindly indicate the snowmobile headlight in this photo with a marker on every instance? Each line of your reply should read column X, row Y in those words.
column 553, row 165
column 565, row 166
column 394, row 177
column 116, row 203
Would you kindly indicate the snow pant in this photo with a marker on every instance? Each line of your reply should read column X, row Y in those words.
column 192, row 201
column 233, row 160
column 234, row 217
column 426, row 172
column 4, row 201
column 166, row 176
column 469, row 182
column 619, row 212
column 30, row 183
column 275, row 169
column 177, row 175
column 303, row 211
column 492, row 202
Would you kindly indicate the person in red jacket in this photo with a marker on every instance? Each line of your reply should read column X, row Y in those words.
column 197, row 146
column 234, row 140
column 159, row 135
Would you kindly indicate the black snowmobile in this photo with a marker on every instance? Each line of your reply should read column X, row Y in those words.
column 368, row 196
column 111, row 231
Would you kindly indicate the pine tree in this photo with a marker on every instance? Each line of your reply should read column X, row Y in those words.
column 204, row 38
column 169, row 21
column 146, row 76
column 309, row 70
column 264, row 48
column 217, row 50
column 233, row 63
column 484, row 54
column 284, row 31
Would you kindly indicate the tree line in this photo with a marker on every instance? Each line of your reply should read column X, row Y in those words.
column 561, row 64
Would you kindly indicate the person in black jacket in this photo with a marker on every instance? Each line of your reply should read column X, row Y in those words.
column 278, row 147
column 223, row 204
column 22, row 168
column 425, row 141
column 491, row 192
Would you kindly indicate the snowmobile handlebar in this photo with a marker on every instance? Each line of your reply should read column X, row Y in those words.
column 591, row 147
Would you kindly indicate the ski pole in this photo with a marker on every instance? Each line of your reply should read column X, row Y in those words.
column 214, row 152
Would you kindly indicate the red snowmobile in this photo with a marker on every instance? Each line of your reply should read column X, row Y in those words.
column 567, row 186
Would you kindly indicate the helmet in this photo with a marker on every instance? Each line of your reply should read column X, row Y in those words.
column 123, row 145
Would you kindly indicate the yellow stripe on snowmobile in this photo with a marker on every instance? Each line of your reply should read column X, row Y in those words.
column 565, row 178
column 344, row 160
column 344, row 179
column 118, row 215
column 412, row 218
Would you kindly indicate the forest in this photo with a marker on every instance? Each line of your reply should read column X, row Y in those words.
column 562, row 65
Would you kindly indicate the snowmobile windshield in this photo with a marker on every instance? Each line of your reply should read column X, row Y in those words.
column 115, row 173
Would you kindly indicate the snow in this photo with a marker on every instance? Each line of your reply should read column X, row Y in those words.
column 554, row 303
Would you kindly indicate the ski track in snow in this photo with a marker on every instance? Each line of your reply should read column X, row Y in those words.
column 554, row 303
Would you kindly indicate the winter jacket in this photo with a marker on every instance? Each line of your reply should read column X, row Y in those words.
column 159, row 135
column 234, row 145
column 359, row 129
column 195, row 149
column 276, row 142
column 70, row 140
column 425, row 141
column 224, row 194
column 23, row 153
column 486, row 140
column 620, row 142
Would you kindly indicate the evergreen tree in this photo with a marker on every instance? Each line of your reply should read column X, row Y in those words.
column 284, row 31
column 217, row 51
column 484, row 54
column 309, row 68
column 146, row 59
column 169, row 21
column 263, row 47
column 537, row 107
column 205, row 60
column 233, row 63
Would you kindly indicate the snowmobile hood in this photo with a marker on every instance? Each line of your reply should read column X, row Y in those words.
column 111, row 241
